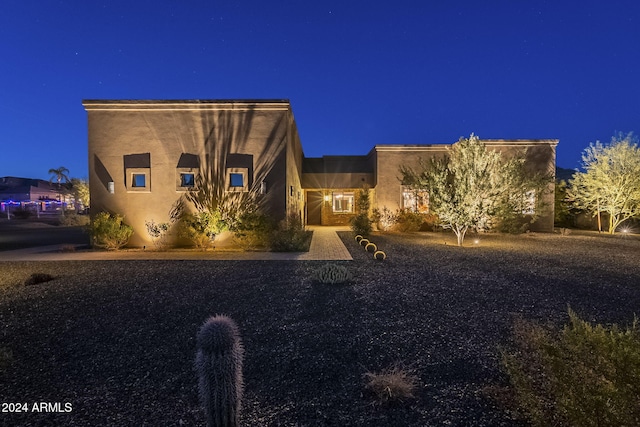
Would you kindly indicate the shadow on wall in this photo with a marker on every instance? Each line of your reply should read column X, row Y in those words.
column 101, row 172
column 227, row 144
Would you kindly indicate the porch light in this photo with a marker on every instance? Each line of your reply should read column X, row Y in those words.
column 327, row 197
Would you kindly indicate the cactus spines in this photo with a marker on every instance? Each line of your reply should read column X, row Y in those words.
column 332, row 274
column 219, row 367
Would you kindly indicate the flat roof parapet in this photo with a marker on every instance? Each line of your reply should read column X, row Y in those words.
column 185, row 104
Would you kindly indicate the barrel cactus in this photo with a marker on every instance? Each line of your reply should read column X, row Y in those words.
column 332, row 274
column 219, row 367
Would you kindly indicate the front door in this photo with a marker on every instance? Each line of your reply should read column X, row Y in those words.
column 314, row 207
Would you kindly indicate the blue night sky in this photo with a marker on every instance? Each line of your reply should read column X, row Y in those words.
column 357, row 73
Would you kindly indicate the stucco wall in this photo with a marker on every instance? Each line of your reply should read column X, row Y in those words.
column 388, row 160
column 166, row 130
column 539, row 155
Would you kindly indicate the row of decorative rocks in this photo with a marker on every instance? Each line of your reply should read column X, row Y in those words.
column 371, row 247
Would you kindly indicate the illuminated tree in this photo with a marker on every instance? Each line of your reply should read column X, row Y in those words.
column 80, row 188
column 611, row 180
column 474, row 187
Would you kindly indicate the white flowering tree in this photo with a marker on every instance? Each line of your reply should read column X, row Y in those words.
column 473, row 186
column 611, row 180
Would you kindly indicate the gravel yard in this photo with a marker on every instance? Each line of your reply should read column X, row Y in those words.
column 116, row 339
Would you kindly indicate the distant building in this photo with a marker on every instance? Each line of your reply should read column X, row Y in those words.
column 32, row 193
column 144, row 154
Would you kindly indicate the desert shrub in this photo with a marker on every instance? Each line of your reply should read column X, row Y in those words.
column 291, row 236
column 109, row 231
column 36, row 278
column 564, row 231
column 218, row 363
column 361, row 224
column 332, row 274
column 582, row 375
column 158, row 232
column 407, row 221
column 395, row 383
column 252, row 230
column 21, row 213
column 72, row 219
column 385, row 218
column 201, row 228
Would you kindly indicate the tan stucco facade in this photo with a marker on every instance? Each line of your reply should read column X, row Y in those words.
column 161, row 140
column 143, row 154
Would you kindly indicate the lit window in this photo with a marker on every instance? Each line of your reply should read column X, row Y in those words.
column 187, row 180
column 343, row 202
column 236, row 180
column 415, row 200
column 139, row 180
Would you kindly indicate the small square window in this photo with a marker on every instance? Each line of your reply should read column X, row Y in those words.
column 236, row 180
column 187, row 180
column 139, row 180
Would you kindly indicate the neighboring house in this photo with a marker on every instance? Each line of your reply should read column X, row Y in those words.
column 27, row 192
column 144, row 154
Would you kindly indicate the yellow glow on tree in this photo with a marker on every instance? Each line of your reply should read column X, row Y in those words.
column 611, row 180
column 475, row 187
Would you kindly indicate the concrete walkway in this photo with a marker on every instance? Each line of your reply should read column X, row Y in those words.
column 325, row 246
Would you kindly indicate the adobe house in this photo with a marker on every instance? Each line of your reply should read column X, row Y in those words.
column 144, row 154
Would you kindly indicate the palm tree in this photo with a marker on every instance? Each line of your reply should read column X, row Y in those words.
column 59, row 174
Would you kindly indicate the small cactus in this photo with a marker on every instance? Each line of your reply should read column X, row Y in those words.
column 332, row 274
column 371, row 247
column 219, row 367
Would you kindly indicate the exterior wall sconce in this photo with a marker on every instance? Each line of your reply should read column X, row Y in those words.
column 263, row 187
column 326, row 197
column 111, row 187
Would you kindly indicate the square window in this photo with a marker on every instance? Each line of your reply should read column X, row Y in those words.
column 415, row 200
column 343, row 202
column 139, row 180
column 236, row 180
column 187, row 180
